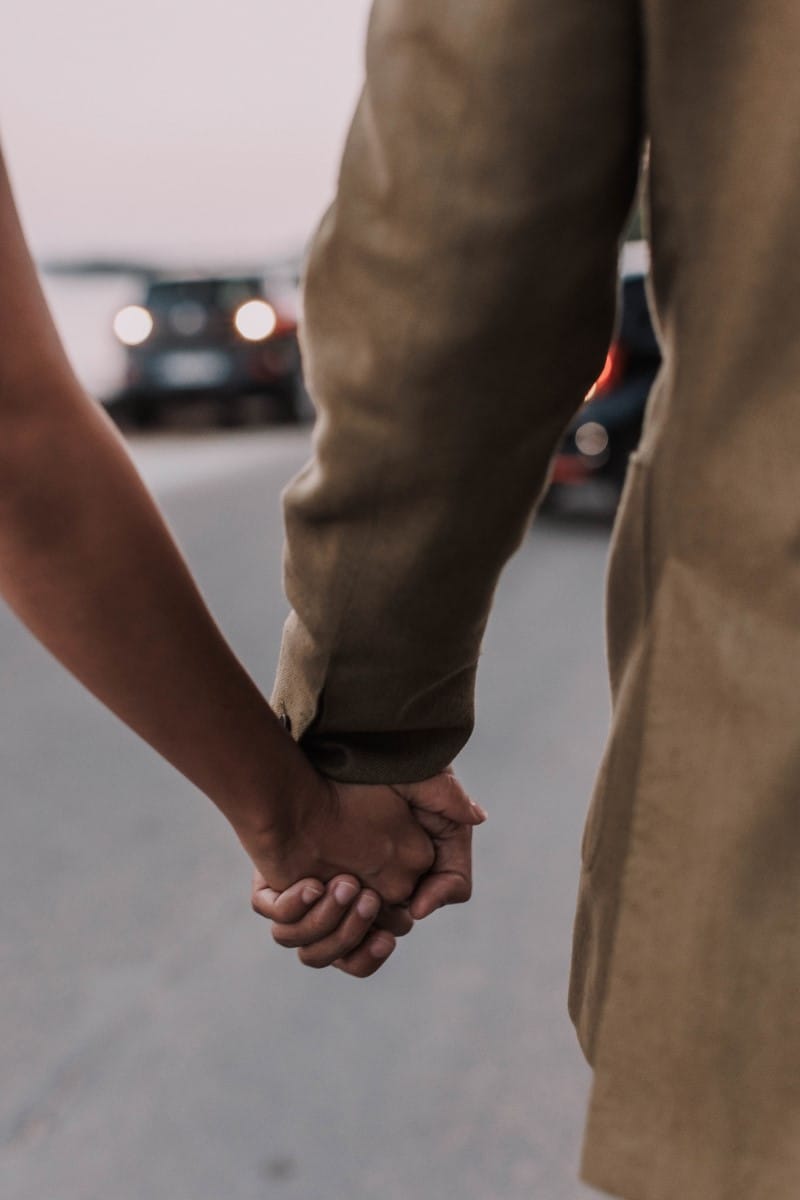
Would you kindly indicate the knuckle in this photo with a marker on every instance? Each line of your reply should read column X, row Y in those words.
column 396, row 891
column 423, row 855
column 426, row 857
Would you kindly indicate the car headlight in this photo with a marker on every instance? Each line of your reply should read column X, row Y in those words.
column 255, row 320
column 133, row 325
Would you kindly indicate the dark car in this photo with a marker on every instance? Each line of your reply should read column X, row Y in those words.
column 223, row 338
column 607, row 429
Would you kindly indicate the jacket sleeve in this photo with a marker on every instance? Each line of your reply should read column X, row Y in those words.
column 459, row 299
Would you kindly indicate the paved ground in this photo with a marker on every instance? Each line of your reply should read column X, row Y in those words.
column 154, row 1045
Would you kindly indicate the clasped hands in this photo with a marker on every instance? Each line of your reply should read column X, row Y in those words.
column 358, row 864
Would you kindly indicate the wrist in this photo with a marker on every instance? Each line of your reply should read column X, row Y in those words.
column 273, row 817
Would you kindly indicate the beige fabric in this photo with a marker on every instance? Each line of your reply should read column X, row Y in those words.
column 459, row 298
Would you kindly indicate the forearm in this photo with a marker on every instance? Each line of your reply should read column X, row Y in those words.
column 459, row 301
column 88, row 564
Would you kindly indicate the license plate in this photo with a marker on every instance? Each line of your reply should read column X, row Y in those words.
column 193, row 368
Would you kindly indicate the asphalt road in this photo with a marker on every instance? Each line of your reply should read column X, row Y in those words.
column 155, row 1045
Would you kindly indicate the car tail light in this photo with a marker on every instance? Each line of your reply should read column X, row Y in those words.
column 611, row 374
column 569, row 469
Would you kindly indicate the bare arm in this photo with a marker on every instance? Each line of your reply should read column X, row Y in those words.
column 88, row 564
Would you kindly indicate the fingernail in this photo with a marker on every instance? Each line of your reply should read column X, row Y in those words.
column 344, row 893
column 270, row 895
column 309, row 894
column 368, row 906
column 381, row 948
column 482, row 813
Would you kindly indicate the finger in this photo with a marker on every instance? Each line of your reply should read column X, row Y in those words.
column 436, row 892
column 396, row 919
column 288, row 906
column 347, row 936
column 397, row 885
column 418, row 854
column 292, row 905
column 322, row 919
column 445, row 797
column 368, row 958
column 414, row 855
column 450, row 882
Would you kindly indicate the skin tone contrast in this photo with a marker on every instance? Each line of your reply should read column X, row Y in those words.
column 88, row 564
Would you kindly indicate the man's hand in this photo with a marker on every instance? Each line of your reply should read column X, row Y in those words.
column 332, row 829
column 446, row 813
column 348, row 927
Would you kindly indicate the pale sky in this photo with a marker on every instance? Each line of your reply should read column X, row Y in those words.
column 208, row 129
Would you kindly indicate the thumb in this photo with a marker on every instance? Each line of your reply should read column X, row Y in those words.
column 443, row 796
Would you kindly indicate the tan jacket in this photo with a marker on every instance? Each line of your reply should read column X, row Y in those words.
column 459, row 300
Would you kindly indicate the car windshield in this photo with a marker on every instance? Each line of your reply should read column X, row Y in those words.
column 225, row 294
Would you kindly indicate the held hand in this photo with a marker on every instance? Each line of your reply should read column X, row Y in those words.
column 446, row 813
column 331, row 931
column 333, row 829
column 339, row 925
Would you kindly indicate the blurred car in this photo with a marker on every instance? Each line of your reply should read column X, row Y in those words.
column 223, row 338
column 607, row 429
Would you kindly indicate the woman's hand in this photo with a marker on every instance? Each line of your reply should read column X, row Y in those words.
column 341, row 924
